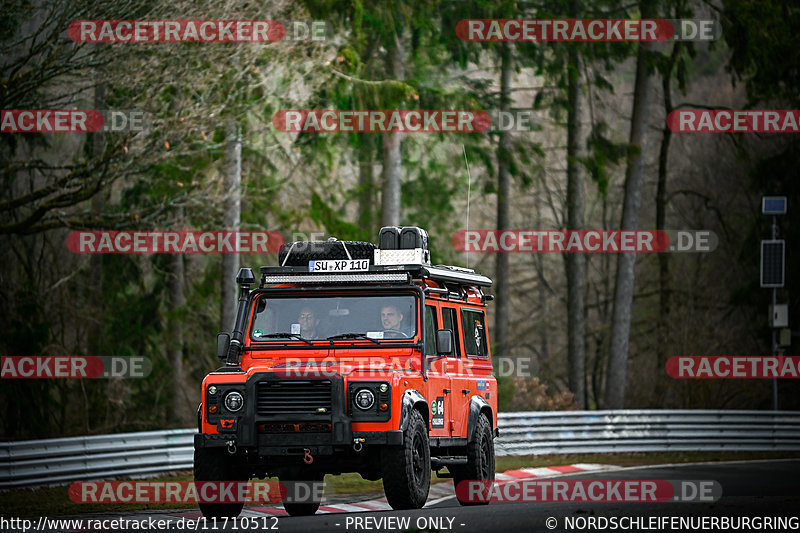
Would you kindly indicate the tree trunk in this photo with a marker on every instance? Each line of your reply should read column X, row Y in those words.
column 231, row 221
column 575, row 262
column 95, row 330
column 502, row 270
column 392, row 158
column 626, row 262
column 177, row 303
column 365, row 182
column 661, row 206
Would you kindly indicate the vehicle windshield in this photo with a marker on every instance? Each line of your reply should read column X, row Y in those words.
column 375, row 318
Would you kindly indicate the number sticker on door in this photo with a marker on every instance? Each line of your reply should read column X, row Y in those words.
column 437, row 412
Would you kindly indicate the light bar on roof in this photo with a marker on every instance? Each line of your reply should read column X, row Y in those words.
column 337, row 278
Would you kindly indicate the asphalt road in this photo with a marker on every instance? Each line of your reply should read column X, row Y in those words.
column 752, row 489
column 744, row 489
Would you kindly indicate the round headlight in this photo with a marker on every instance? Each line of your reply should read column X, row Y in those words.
column 365, row 399
column 233, row 401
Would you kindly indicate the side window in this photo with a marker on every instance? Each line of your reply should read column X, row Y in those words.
column 430, row 330
column 474, row 326
column 449, row 321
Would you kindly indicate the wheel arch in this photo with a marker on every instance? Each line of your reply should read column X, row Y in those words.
column 413, row 399
column 477, row 406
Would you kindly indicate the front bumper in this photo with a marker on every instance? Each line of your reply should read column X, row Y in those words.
column 245, row 433
column 316, row 444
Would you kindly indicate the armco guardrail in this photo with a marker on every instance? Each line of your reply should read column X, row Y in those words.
column 540, row 433
column 61, row 461
column 35, row 463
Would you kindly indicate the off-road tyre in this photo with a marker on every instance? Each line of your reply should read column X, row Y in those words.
column 300, row 508
column 304, row 251
column 215, row 465
column 407, row 468
column 480, row 463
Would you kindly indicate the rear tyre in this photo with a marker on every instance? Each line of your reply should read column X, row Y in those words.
column 407, row 468
column 289, row 479
column 212, row 464
column 480, row 464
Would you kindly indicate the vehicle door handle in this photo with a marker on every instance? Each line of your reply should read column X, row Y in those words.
column 446, row 391
column 465, row 391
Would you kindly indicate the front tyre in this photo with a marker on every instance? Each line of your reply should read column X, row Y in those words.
column 407, row 468
column 212, row 464
column 480, row 464
column 301, row 481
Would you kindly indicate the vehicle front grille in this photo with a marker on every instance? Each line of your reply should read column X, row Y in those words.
column 296, row 397
column 303, row 427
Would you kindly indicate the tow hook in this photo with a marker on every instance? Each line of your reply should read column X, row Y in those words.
column 231, row 447
column 357, row 446
column 307, row 457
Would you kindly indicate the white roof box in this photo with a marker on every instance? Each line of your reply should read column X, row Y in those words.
column 415, row 256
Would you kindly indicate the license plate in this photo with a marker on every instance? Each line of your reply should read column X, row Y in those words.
column 343, row 265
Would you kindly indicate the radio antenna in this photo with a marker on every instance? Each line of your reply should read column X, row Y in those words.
column 469, row 188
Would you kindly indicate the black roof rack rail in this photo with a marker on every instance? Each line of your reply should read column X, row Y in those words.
column 439, row 273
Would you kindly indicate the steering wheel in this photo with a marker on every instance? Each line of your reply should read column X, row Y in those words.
column 404, row 336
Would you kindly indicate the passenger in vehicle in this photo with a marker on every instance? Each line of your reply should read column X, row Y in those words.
column 392, row 322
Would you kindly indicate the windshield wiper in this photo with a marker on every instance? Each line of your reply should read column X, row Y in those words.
column 287, row 335
column 352, row 336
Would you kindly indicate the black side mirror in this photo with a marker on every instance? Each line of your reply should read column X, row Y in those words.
column 444, row 342
column 223, row 341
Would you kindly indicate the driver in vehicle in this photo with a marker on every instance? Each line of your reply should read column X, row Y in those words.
column 392, row 322
column 309, row 323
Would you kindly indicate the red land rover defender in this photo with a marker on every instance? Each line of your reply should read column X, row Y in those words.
column 352, row 358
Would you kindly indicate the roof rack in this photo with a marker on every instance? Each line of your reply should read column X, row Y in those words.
column 402, row 256
column 375, row 274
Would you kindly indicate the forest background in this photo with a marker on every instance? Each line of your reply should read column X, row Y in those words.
column 595, row 330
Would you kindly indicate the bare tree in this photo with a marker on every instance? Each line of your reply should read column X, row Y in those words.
column 634, row 173
column 502, row 269
column 232, row 215
column 392, row 158
column 575, row 262
column 176, row 296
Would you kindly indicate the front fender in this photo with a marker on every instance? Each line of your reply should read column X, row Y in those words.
column 412, row 399
column 478, row 405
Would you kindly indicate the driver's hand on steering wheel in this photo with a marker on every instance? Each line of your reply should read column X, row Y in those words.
column 394, row 334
